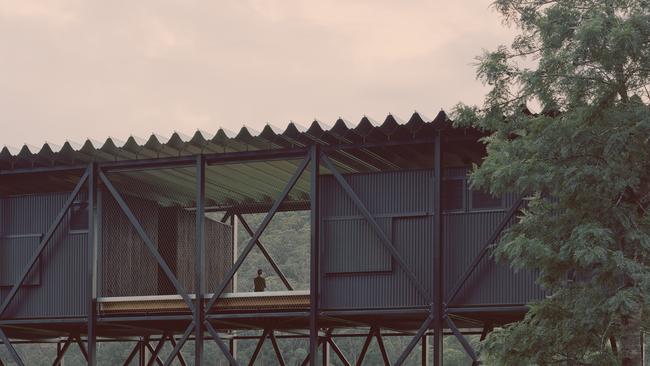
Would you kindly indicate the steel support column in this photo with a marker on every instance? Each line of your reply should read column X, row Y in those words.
column 92, row 265
column 232, row 347
column 425, row 351
column 199, row 261
column 438, row 282
column 314, row 253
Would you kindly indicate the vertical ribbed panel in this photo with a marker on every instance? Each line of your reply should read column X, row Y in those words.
column 402, row 203
column 389, row 194
column 354, row 247
column 465, row 235
column 15, row 253
column 63, row 288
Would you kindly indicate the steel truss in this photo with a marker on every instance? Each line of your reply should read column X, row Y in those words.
column 438, row 314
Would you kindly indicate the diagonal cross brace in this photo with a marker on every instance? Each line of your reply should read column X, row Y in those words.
column 463, row 341
column 177, row 347
column 219, row 342
column 266, row 254
column 415, row 340
column 385, row 240
column 148, row 243
column 44, row 242
column 276, row 205
column 486, row 248
column 11, row 349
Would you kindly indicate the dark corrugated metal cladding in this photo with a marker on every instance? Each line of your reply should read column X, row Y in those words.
column 62, row 268
column 402, row 204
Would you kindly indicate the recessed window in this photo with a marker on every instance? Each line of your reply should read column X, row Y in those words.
column 79, row 216
column 484, row 200
column 452, row 194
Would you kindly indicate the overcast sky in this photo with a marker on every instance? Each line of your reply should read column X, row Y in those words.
column 77, row 69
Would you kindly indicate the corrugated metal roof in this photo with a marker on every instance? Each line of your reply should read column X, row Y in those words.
column 365, row 131
column 392, row 145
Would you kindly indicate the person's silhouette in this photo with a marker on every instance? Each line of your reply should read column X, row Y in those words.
column 259, row 282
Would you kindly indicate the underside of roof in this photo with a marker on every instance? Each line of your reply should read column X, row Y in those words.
column 393, row 145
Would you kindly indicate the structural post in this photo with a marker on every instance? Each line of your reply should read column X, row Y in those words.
column 234, row 222
column 314, row 251
column 326, row 353
column 232, row 345
column 92, row 264
column 425, row 351
column 438, row 282
column 199, row 261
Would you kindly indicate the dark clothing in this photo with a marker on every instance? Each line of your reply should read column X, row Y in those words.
column 260, row 283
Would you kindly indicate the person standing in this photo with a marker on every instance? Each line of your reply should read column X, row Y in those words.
column 259, row 282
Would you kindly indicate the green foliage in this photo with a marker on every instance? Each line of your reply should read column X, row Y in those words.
column 583, row 163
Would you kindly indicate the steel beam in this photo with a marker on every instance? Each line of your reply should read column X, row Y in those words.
column 148, row 243
column 152, row 357
column 276, row 348
column 154, row 353
column 82, row 348
column 46, row 239
column 61, row 351
column 258, row 233
column 266, row 254
column 199, row 261
column 179, row 345
column 217, row 339
column 338, row 352
column 314, row 290
column 258, row 347
column 181, row 360
column 364, row 348
column 382, row 349
column 463, row 341
column 385, row 240
column 131, row 355
column 414, row 341
column 11, row 349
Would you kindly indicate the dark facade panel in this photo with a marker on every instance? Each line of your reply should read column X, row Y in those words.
column 353, row 246
column 61, row 288
column 402, row 204
column 491, row 283
column 15, row 252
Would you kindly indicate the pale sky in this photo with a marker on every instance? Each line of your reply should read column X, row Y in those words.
column 77, row 69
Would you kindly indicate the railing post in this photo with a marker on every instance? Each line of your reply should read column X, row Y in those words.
column 314, row 251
